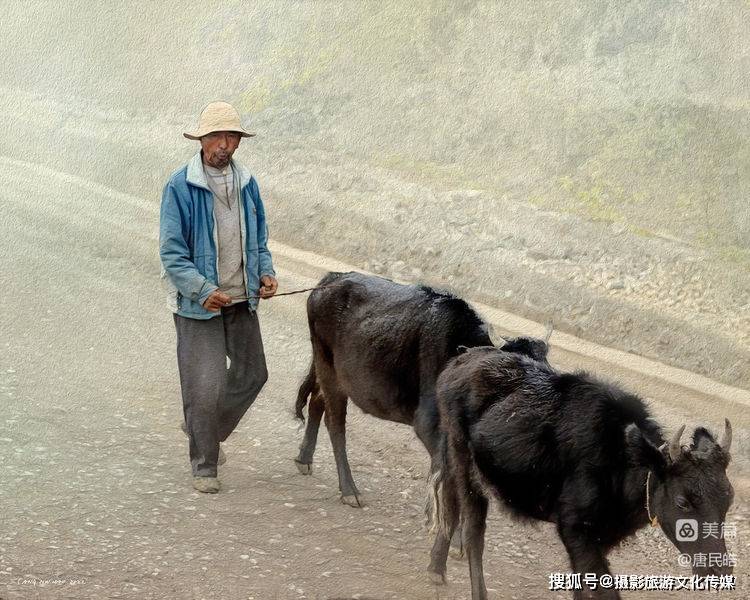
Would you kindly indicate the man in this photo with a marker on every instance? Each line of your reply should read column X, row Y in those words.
column 215, row 263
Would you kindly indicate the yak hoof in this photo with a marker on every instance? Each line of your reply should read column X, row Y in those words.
column 456, row 553
column 436, row 578
column 304, row 468
column 352, row 500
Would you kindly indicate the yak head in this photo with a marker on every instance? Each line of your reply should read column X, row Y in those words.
column 534, row 348
column 689, row 493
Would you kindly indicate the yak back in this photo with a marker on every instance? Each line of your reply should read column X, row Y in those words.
column 533, row 432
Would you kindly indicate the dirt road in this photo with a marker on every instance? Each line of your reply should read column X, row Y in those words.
column 96, row 500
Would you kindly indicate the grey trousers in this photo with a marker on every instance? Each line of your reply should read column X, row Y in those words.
column 214, row 397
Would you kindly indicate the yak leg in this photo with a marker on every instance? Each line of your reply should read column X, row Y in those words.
column 427, row 428
column 335, row 418
column 427, row 425
column 586, row 557
column 473, row 505
column 474, row 512
column 307, row 448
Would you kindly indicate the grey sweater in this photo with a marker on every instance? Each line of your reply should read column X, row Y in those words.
column 227, row 213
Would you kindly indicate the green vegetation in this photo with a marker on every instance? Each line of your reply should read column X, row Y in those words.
column 597, row 202
column 452, row 176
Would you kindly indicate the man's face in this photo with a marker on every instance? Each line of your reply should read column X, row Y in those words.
column 218, row 147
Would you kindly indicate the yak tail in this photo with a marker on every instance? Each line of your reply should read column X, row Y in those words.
column 308, row 387
column 437, row 515
column 433, row 508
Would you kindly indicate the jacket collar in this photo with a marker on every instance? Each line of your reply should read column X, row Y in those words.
column 197, row 176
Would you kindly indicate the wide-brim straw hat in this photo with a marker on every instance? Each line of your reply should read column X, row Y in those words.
column 218, row 116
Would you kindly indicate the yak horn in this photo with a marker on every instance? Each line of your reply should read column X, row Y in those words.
column 726, row 439
column 548, row 332
column 675, row 448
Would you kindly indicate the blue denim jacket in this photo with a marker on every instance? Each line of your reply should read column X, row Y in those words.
column 188, row 240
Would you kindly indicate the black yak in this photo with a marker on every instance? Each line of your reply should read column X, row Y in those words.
column 382, row 345
column 568, row 449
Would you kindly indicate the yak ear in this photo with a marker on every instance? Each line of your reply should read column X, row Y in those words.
column 705, row 445
column 461, row 349
column 703, row 441
column 642, row 452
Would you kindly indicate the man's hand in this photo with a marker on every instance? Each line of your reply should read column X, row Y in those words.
column 216, row 300
column 268, row 286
